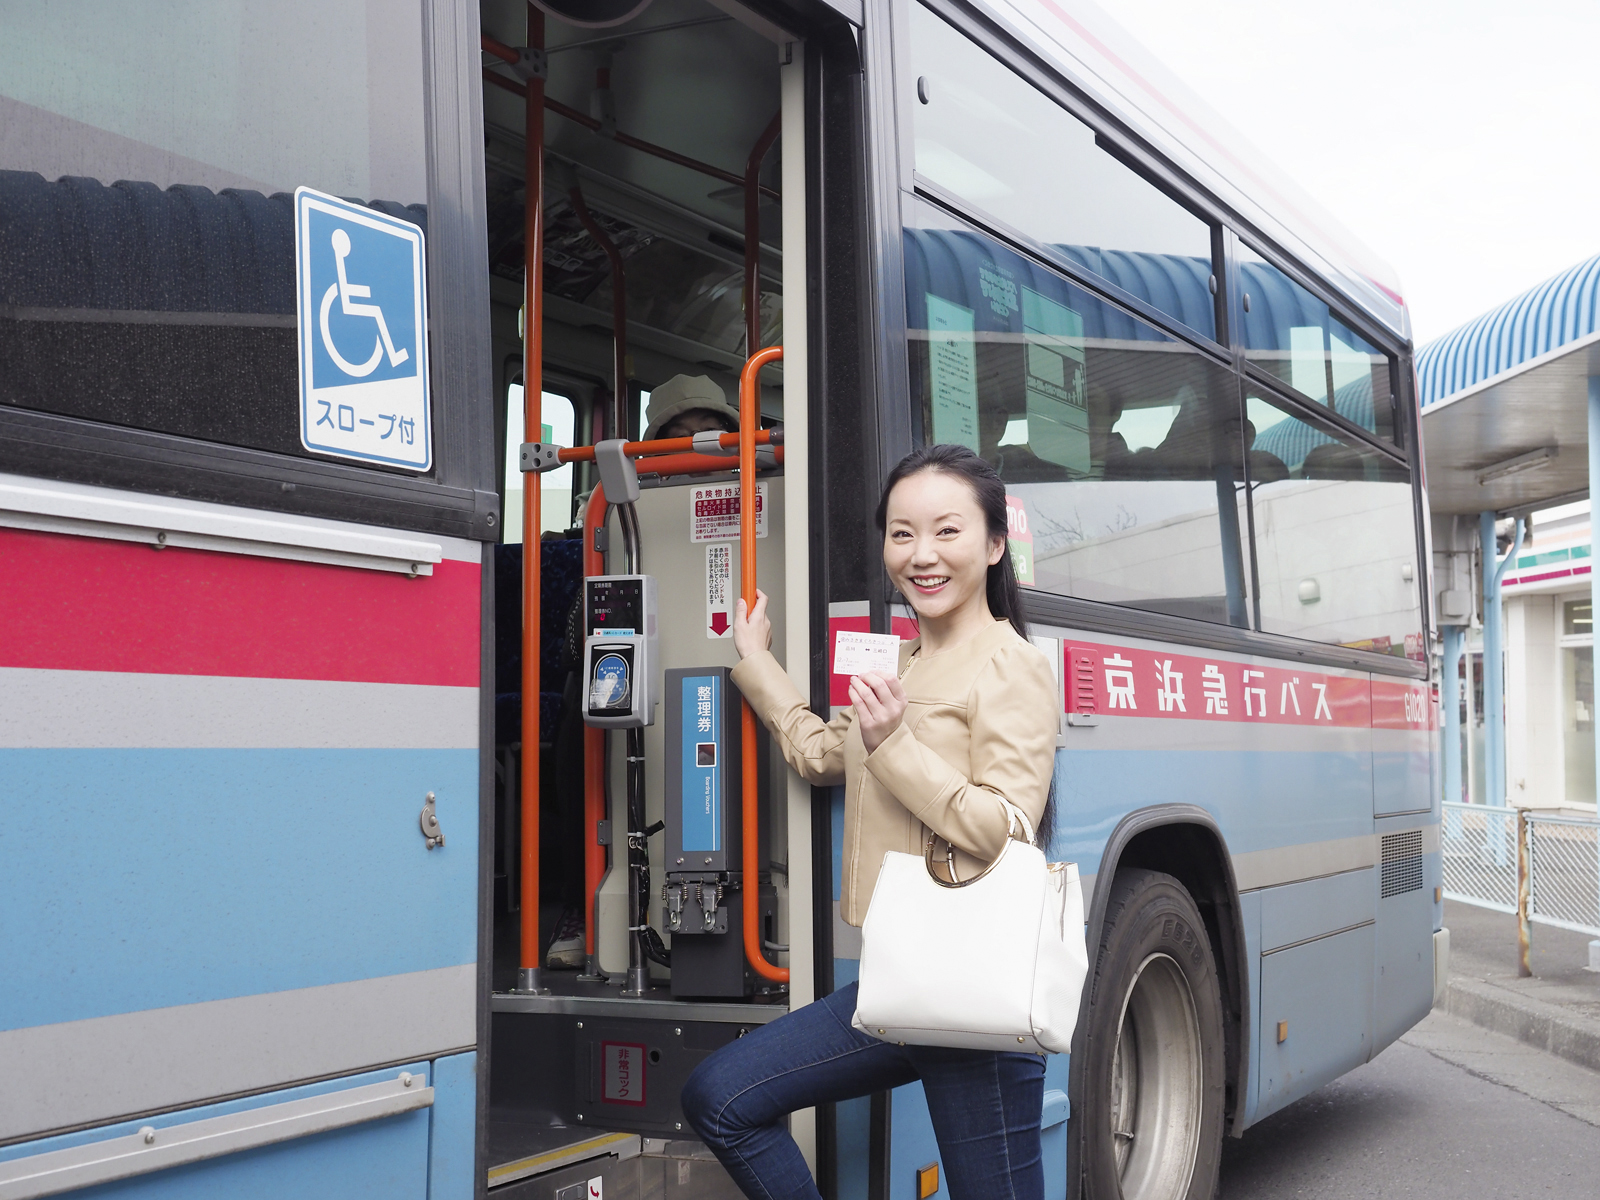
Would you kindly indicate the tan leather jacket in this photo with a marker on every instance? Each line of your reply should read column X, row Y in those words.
column 980, row 722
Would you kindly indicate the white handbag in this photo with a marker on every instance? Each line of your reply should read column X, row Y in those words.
column 995, row 962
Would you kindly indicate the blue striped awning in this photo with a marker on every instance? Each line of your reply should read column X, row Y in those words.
column 1556, row 313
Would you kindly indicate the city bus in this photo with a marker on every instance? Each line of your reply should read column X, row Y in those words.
column 396, row 397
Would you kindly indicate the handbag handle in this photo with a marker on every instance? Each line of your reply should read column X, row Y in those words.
column 1014, row 816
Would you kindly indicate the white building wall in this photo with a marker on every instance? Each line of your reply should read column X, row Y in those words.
column 1533, row 693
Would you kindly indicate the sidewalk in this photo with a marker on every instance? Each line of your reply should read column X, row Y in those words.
column 1557, row 1009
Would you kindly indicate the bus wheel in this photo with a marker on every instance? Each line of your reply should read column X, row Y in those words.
column 1153, row 1083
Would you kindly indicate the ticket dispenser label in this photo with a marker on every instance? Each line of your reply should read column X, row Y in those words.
column 703, row 809
column 701, row 773
column 702, row 776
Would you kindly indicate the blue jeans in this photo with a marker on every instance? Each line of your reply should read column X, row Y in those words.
column 985, row 1105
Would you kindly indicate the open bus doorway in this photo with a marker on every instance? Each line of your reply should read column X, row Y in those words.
column 664, row 196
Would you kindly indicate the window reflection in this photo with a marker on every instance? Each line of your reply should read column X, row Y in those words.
column 146, row 216
column 1122, row 445
column 1335, row 535
column 985, row 134
column 1291, row 334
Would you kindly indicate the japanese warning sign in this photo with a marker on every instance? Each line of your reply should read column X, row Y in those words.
column 361, row 312
column 714, row 512
column 624, row 1073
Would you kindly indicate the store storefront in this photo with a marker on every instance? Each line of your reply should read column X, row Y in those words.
column 1511, row 439
column 1549, row 648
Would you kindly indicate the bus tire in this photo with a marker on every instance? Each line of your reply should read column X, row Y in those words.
column 1153, row 1087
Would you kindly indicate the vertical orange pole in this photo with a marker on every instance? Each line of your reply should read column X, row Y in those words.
column 749, row 423
column 594, row 754
column 532, row 417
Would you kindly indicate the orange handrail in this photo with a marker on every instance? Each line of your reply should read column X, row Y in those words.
column 529, row 959
column 678, row 445
column 750, row 419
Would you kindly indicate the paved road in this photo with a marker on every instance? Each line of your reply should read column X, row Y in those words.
column 1450, row 1111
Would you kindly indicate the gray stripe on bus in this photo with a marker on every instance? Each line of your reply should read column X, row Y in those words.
column 1145, row 733
column 1314, row 860
column 94, row 1071
column 1256, row 869
column 123, row 710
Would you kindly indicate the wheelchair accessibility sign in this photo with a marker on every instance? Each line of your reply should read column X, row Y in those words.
column 362, row 316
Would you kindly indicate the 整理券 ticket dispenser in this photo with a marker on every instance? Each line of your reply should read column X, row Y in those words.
column 619, row 653
column 702, row 807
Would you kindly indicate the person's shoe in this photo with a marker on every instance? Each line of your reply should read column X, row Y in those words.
column 566, row 947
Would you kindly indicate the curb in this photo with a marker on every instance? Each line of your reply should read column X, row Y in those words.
column 1533, row 1022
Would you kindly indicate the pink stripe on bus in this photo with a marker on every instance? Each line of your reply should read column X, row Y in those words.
column 1133, row 682
column 87, row 604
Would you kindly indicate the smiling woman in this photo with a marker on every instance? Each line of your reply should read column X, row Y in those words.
column 941, row 751
column 938, row 551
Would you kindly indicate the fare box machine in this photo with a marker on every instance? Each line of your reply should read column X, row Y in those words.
column 619, row 1045
column 701, row 813
column 701, row 810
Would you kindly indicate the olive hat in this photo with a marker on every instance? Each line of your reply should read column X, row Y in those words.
column 683, row 393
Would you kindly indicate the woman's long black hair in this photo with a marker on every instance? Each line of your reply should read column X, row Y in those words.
column 1000, row 584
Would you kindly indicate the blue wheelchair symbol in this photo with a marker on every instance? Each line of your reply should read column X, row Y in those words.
column 348, row 293
column 361, row 312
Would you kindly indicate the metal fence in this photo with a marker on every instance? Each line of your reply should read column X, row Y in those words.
column 1564, row 872
column 1560, row 855
column 1480, row 855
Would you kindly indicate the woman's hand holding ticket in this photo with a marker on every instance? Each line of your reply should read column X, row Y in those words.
column 880, row 702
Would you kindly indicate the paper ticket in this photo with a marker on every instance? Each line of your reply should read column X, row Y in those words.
column 857, row 653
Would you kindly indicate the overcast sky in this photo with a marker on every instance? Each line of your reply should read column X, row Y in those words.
column 1460, row 139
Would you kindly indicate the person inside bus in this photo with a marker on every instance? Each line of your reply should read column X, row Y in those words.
column 968, row 719
column 1014, row 462
column 1107, row 447
column 686, row 405
column 1265, row 467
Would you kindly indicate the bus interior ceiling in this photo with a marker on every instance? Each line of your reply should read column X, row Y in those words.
column 649, row 129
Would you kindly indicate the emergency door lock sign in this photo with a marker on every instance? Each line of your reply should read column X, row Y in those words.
column 714, row 512
column 624, row 1073
column 361, row 311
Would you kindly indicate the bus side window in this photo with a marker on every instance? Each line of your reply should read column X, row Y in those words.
column 988, row 136
column 147, row 230
column 1336, row 546
column 555, row 502
column 1124, row 446
column 1291, row 335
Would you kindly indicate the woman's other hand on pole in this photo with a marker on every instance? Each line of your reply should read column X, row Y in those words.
column 880, row 702
column 752, row 631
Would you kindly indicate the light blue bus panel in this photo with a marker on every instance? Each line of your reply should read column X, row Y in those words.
column 219, row 878
column 363, row 1135
column 1316, row 997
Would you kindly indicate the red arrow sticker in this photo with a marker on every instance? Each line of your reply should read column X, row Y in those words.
column 719, row 590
